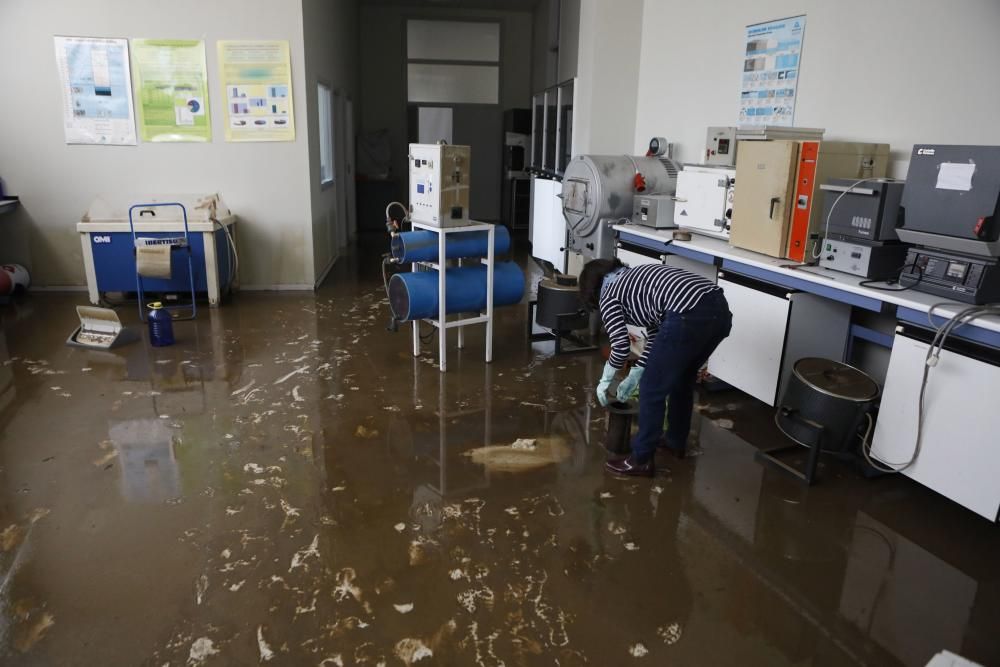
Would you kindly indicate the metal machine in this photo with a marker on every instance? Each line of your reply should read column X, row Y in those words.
column 774, row 211
column 951, row 209
column 704, row 201
column 439, row 184
column 860, row 223
column 598, row 192
column 115, row 250
column 655, row 211
column 720, row 146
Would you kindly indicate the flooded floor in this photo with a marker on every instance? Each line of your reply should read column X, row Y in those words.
column 289, row 484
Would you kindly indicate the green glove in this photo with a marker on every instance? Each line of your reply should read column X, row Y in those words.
column 628, row 386
column 605, row 383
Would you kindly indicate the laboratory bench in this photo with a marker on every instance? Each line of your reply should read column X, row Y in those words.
column 783, row 311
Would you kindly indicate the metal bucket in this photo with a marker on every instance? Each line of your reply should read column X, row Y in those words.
column 620, row 418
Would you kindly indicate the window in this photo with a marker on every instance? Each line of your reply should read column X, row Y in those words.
column 325, row 107
column 453, row 62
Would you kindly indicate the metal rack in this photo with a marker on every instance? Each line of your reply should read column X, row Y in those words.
column 175, row 243
column 441, row 323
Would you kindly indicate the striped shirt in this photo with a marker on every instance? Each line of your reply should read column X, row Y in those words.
column 642, row 296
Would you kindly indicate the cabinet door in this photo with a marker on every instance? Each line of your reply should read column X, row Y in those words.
column 960, row 450
column 765, row 174
column 750, row 358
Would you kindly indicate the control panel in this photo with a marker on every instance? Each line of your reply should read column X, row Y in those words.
column 439, row 184
column 968, row 279
column 871, row 261
column 720, row 146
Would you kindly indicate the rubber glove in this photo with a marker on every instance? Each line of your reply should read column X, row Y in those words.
column 628, row 386
column 605, row 383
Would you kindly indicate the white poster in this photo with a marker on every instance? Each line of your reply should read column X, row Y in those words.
column 97, row 90
column 771, row 72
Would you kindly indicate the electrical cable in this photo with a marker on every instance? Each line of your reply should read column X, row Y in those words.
column 388, row 219
column 234, row 264
column 899, row 274
column 829, row 214
column 942, row 332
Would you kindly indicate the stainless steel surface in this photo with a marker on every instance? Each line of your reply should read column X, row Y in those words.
column 835, row 379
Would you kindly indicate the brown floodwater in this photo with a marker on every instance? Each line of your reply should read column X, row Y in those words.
column 288, row 484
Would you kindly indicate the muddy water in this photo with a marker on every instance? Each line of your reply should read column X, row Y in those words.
column 289, row 485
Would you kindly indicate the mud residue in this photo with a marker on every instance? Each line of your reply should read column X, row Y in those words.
column 508, row 458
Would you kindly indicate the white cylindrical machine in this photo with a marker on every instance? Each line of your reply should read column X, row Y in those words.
column 597, row 193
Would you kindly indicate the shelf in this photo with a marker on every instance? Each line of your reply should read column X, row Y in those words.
column 8, row 204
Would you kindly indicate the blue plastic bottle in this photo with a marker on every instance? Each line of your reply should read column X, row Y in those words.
column 161, row 325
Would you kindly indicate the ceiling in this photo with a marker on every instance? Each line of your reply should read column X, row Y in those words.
column 510, row 5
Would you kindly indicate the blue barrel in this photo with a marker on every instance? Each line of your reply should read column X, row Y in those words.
column 422, row 246
column 414, row 296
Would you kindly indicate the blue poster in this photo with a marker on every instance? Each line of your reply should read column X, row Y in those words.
column 771, row 71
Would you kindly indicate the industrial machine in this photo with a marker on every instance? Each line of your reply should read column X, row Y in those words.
column 704, row 201
column 655, row 211
column 435, row 288
column 560, row 313
column 599, row 190
column 820, row 161
column 765, row 171
column 720, row 146
column 439, row 184
column 774, row 210
column 860, row 227
column 825, row 407
column 111, row 246
column 951, row 210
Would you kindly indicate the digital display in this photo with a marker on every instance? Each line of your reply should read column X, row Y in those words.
column 723, row 147
column 957, row 270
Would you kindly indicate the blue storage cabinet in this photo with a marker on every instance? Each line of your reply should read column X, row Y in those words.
column 109, row 257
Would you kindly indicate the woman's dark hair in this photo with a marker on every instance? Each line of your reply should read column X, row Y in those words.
column 592, row 278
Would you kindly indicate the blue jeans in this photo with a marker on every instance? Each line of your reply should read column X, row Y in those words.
column 683, row 344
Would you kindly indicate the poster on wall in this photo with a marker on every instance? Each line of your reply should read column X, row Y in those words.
column 96, row 90
column 171, row 89
column 256, row 79
column 771, row 71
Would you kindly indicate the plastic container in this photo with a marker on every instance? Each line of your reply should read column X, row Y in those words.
column 414, row 296
column 161, row 325
column 422, row 245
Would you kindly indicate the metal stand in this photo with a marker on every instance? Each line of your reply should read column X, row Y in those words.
column 807, row 434
column 440, row 266
column 175, row 243
column 568, row 324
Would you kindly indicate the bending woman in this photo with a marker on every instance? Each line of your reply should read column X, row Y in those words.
column 686, row 317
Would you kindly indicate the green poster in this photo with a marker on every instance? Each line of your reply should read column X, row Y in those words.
column 171, row 87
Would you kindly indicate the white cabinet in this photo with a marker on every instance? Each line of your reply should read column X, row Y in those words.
column 546, row 225
column 772, row 329
column 960, row 452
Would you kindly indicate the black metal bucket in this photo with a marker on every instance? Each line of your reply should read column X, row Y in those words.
column 620, row 417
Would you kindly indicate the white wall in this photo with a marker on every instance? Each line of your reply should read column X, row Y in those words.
column 607, row 71
column 266, row 184
column 330, row 28
column 894, row 71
